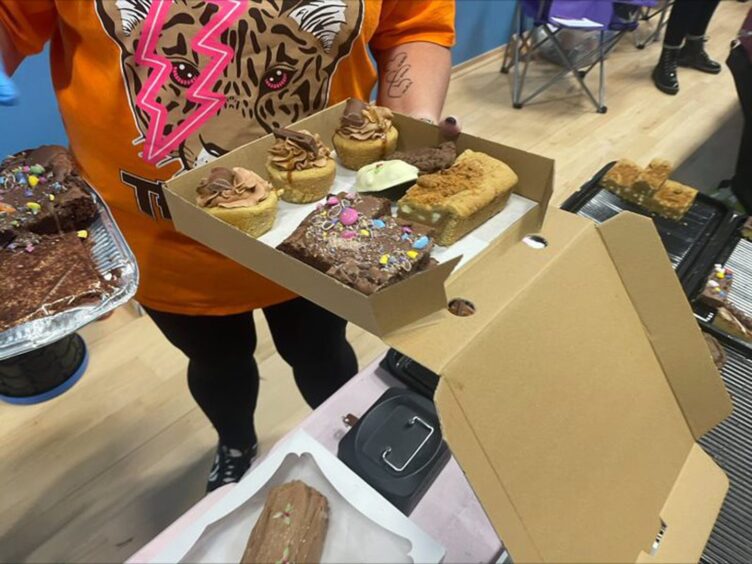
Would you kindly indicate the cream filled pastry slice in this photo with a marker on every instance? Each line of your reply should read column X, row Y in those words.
column 239, row 197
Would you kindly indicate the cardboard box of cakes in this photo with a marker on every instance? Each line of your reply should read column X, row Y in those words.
column 574, row 379
column 410, row 294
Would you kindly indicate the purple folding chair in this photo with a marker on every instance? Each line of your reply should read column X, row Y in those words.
column 649, row 11
column 554, row 16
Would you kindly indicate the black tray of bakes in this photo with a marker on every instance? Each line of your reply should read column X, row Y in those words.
column 56, row 233
column 730, row 444
column 731, row 253
column 684, row 240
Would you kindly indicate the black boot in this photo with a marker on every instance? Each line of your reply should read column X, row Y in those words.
column 693, row 55
column 664, row 74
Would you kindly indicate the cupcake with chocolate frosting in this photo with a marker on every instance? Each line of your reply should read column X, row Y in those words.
column 365, row 134
column 240, row 197
column 300, row 166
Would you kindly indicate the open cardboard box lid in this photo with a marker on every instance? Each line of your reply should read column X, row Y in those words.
column 393, row 307
column 574, row 396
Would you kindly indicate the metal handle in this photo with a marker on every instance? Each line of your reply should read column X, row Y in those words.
column 412, row 421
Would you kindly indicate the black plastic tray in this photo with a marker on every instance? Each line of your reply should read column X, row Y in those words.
column 730, row 444
column 730, row 249
column 684, row 240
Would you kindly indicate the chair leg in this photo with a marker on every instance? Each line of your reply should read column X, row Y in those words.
column 661, row 21
column 512, row 43
column 572, row 68
column 516, row 85
column 602, row 75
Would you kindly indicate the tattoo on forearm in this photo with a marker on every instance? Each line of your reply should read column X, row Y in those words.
column 396, row 77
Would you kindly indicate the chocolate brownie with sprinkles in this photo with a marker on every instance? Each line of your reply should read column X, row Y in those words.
column 42, row 193
column 354, row 239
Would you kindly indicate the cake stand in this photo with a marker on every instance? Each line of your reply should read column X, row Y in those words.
column 45, row 373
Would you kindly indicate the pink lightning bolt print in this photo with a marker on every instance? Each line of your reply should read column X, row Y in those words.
column 158, row 146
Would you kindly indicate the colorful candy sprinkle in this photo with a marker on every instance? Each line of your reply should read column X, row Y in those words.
column 21, row 178
column 405, row 237
column 378, row 224
column 33, row 180
column 33, row 206
column 412, row 254
column 2, row 181
column 365, row 232
column 36, row 169
column 83, row 234
column 26, row 169
column 348, row 234
column 349, row 216
column 406, row 229
column 7, row 208
column 421, row 243
column 384, row 259
column 332, row 201
column 52, row 197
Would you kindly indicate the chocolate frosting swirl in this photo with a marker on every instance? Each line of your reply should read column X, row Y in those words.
column 289, row 154
column 376, row 122
column 236, row 188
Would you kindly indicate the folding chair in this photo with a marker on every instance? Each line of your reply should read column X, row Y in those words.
column 552, row 17
column 659, row 10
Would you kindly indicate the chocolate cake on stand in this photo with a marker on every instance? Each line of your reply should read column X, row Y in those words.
column 46, row 267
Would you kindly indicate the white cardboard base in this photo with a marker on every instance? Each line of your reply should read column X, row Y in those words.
column 363, row 526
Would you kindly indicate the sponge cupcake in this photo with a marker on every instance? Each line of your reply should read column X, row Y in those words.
column 239, row 197
column 301, row 166
column 365, row 134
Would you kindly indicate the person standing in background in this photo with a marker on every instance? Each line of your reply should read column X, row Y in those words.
column 151, row 88
column 740, row 64
column 684, row 43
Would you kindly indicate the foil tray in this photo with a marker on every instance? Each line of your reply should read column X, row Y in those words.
column 113, row 259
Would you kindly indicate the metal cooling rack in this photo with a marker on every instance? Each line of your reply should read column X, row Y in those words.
column 730, row 444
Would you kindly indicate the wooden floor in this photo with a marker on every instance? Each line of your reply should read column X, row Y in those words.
column 96, row 473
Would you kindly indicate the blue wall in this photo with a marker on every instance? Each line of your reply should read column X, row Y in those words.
column 35, row 120
column 481, row 26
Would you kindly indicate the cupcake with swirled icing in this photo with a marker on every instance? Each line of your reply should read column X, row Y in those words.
column 365, row 134
column 239, row 197
column 300, row 166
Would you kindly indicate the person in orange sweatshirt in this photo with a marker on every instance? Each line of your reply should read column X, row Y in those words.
column 128, row 75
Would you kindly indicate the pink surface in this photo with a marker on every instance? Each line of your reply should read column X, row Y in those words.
column 449, row 511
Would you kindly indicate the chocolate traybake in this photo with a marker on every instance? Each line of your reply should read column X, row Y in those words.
column 41, row 192
column 45, row 210
column 55, row 275
column 354, row 239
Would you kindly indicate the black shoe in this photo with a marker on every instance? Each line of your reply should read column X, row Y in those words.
column 664, row 73
column 230, row 464
column 693, row 55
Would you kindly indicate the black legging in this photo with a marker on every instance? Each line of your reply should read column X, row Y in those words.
column 688, row 18
column 222, row 373
column 741, row 69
